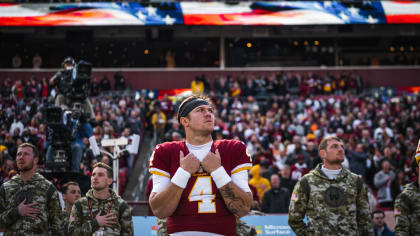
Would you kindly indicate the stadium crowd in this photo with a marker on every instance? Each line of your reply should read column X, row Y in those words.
column 280, row 116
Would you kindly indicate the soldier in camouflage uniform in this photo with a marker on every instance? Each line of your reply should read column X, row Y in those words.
column 102, row 211
column 407, row 205
column 71, row 193
column 334, row 200
column 29, row 204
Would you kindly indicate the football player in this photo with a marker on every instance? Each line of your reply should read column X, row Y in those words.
column 200, row 185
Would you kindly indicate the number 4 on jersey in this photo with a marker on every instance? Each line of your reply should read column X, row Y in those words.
column 203, row 193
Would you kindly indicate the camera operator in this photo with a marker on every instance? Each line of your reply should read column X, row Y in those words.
column 63, row 80
column 79, row 128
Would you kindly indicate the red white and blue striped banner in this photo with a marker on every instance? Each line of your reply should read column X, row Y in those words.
column 210, row 13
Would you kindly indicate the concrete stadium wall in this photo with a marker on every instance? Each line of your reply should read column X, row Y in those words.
column 164, row 78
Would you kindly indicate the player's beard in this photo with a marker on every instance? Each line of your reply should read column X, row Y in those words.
column 334, row 162
column 28, row 167
column 99, row 188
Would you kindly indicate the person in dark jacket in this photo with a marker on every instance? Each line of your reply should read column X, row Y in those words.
column 357, row 160
column 276, row 199
column 379, row 226
column 286, row 181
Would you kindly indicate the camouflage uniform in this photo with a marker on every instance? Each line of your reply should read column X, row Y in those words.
column 66, row 217
column 81, row 222
column 332, row 207
column 162, row 231
column 407, row 211
column 242, row 228
column 48, row 222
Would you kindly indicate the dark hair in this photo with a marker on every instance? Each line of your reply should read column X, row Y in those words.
column 34, row 148
column 66, row 186
column 378, row 212
column 107, row 167
column 324, row 142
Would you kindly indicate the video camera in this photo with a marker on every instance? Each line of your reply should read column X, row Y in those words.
column 75, row 82
column 59, row 137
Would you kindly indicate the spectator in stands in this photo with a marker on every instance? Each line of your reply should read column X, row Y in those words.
column 266, row 170
column 379, row 226
column 134, row 122
column 8, row 168
column 314, row 158
column 129, row 158
column 300, row 168
column 382, row 182
column 18, row 90
column 174, row 130
column 276, row 199
column 31, row 89
column 6, row 90
column 105, row 84
column 44, row 91
column 159, row 121
column 260, row 183
column 197, row 85
column 357, row 160
column 119, row 81
column 166, row 105
column 383, row 130
column 286, row 181
column 16, row 125
column 95, row 88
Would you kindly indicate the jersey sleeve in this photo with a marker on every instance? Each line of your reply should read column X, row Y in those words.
column 159, row 162
column 241, row 179
column 159, row 183
column 242, row 159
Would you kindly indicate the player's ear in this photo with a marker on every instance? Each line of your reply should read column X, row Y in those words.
column 322, row 153
column 184, row 121
column 110, row 181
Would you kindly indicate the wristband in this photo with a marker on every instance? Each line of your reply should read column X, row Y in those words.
column 181, row 178
column 220, row 177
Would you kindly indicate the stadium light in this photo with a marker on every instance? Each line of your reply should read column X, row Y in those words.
column 132, row 148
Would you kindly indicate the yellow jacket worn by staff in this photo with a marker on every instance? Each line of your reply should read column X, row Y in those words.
column 260, row 183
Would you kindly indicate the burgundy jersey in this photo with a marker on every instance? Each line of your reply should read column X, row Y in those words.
column 201, row 207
